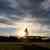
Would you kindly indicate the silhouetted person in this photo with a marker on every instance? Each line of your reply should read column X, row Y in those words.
column 26, row 31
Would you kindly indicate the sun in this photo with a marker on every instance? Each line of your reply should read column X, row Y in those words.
column 20, row 29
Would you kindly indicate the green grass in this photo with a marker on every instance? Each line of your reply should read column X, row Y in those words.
column 7, row 46
column 49, row 46
column 10, row 47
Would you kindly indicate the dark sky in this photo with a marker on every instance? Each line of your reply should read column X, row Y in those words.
column 13, row 10
column 7, row 15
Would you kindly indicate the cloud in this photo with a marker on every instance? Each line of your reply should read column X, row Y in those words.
column 48, row 3
column 33, row 8
column 40, row 11
column 40, row 8
column 24, row 7
column 8, row 8
column 7, row 30
column 7, row 34
column 7, row 12
column 14, row 11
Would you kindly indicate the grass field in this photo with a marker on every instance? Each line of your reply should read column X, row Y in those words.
column 20, row 46
column 7, row 46
column 12, row 43
column 10, row 47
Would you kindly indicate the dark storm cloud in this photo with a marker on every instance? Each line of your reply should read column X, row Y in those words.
column 49, row 14
column 24, row 7
column 7, row 14
column 38, row 9
column 32, row 7
column 3, row 6
column 6, row 22
column 35, row 8
column 12, row 7
column 41, row 11
column 7, row 10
